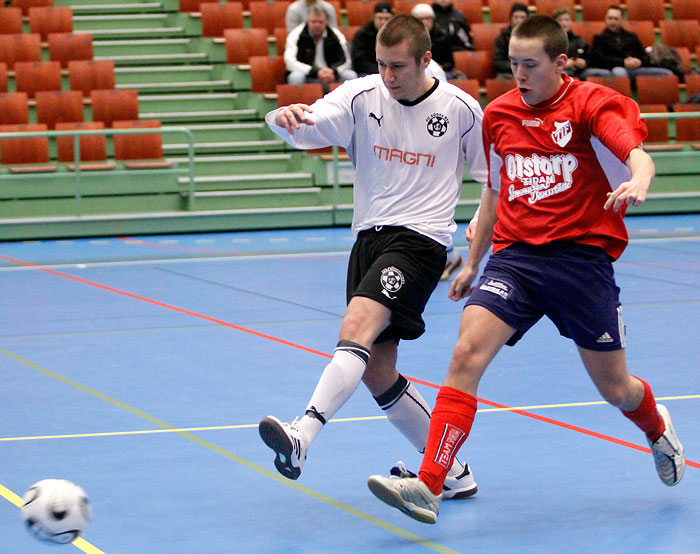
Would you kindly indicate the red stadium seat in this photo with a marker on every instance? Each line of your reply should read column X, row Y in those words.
column 476, row 64
column 266, row 72
column 644, row 30
column 620, row 84
column 587, row 29
column 268, row 16
column 25, row 150
column 484, row 35
column 687, row 129
column 307, row 93
column 60, row 106
column 657, row 128
column 470, row 86
column 139, row 146
column 14, row 108
column 113, row 105
column 547, row 7
column 53, row 19
column 89, row 75
column 681, row 32
column 93, row 148
column 243, row 43
column 64, row 47
column 685, row 9
column 359, row 12
column 10, row 21
column 593, row 10
column 218, row 16
column 25, row 5
column 3, row 77
column 20, row 48
column 496, row 87
column 31, row 77
column 657, row 89
column 471, row 10
column 646, row 10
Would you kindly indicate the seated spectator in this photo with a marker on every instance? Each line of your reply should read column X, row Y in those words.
column 579, row 51
column 439, row 42
column 501, row 61
column 298, row 12
column 620, row 50
column 317, row 53
column 454, row 24
column 363, row 50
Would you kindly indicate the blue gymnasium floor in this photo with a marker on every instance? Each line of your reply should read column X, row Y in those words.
column 139, row 368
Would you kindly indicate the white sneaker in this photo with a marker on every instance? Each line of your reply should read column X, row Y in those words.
column 408, row 494
column 451, row 267
column 459, row 483
column 287, row 443
column 668, row 452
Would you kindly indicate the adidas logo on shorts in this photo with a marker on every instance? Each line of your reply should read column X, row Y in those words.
column 605, row 338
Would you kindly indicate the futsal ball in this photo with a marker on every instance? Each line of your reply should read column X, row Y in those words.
column 56, row 510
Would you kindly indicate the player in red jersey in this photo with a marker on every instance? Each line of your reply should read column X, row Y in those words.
column 565, row 160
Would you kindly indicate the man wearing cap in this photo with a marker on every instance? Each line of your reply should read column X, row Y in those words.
column 364, row 43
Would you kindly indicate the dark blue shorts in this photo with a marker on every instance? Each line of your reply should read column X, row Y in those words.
column 572, row 284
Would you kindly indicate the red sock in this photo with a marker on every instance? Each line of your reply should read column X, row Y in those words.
column 646, row 416
column 450, row 424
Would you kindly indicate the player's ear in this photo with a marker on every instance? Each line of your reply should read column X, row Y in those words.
column 560, row 62
column 426, row 59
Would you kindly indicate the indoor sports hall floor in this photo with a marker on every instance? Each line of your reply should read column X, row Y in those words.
column 139, row 368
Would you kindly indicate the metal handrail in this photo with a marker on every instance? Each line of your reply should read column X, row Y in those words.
column 77, row 133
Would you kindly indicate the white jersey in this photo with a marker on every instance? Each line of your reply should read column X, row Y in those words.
column 408, row 157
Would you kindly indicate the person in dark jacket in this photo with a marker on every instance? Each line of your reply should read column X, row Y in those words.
column 501, row 62
column 579, row 52
column 363, row 50
column 440, row 45
column 454, row 24
column 620, row 50
column 317, row 52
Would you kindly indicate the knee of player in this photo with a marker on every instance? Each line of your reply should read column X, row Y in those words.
column 615, row 394
column 467, row 356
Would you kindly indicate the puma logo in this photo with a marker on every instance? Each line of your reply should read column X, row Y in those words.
column 379, row 119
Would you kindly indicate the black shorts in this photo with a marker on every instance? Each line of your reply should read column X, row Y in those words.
column 398, row 268
column 572, row 284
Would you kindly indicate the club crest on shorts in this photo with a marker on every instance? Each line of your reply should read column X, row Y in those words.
column 437, row 125
column 392, row 280
column 562, row 133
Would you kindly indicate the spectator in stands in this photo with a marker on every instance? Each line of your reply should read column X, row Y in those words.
column 579, row 51
column 363, row 50
column 620, row 50
column 454, row 24
column 298, row 12
column 316, row 52
column 439, row 41
column 501, row 62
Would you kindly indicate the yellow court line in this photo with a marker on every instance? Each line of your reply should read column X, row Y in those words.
column 79, row 543
column 385, row 525
column 335, row 420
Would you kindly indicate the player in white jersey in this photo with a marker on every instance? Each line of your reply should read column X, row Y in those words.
column 408, row 136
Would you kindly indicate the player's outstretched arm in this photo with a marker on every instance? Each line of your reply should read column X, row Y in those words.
column 633, row 192
column 293, row 116
column 461, row 285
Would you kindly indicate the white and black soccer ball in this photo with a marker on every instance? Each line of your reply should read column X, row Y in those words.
column 56, row 510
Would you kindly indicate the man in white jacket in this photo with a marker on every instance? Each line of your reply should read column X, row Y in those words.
column 317, row 52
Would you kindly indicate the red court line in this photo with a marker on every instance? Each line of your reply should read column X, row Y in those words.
column 325, row 355
column 163, row 305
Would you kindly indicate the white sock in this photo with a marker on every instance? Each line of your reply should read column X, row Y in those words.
column 407, row 411
column 452, row 254
column 336, row 385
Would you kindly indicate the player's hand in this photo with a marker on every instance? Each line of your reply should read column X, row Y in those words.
column 630, row 193
column 461, row 286
column 469, row 231
column 291, row 117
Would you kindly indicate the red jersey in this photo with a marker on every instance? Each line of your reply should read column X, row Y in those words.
column 554, row 164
